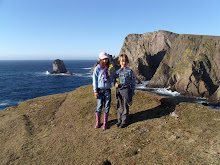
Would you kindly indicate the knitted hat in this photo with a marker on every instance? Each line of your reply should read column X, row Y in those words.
column 103, row 55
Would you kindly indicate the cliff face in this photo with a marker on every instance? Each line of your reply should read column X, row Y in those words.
column 189, row 64
column 146, row 51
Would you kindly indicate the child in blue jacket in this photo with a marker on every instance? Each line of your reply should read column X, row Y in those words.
column 102, row 80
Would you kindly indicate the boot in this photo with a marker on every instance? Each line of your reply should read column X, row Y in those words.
column 105, row 121
column 98, row 116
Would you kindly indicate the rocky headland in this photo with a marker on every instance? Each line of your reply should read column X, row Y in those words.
column 59, row 129
column 188, row 64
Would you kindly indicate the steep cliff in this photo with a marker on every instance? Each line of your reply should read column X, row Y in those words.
column 189, row 64
column 146, row 51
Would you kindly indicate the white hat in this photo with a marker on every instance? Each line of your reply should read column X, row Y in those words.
column 103, row 55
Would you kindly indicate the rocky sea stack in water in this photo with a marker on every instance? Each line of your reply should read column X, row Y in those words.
column 59, row 67
column 189, row 64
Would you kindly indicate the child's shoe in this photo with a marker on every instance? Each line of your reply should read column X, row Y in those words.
column 98, row 116
column 118, row 124
column 105, row 121
column 123, row 125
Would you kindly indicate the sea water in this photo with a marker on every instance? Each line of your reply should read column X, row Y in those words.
column 24, row 80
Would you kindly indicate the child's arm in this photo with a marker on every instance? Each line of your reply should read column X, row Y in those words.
column 132, row 82
column 95, row 81
column 116, row 80
column 113, row 76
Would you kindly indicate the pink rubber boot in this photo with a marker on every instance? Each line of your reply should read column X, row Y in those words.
column 98, row 116
column 105, row 121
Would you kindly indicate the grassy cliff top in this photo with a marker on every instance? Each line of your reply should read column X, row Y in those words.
column 59, row 129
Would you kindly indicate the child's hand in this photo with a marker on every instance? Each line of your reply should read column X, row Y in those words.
column 96, row 95
column 117, row 83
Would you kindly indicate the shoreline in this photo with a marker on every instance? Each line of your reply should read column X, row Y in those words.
column 158, row 91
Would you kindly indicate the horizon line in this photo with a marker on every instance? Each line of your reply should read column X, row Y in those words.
column 44, row 59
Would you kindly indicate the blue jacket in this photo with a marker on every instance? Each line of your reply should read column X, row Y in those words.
column 99, row 80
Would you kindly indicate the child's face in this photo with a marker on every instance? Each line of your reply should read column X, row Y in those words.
column 105, row 61
column 123, row 63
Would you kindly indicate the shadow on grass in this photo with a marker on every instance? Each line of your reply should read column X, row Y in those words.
column 156, row 112
column 112, row 122
column 166, row 107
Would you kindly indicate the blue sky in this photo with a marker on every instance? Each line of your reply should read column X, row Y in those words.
column 80, row 29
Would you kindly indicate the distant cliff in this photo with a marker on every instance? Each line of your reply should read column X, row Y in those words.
column 189, row 64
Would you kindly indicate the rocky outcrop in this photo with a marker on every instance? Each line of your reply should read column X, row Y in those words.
column 215, row 98
column 189, row 64
column 146, row 51
column 59, row 67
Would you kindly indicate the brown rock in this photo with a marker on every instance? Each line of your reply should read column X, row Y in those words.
column 189, row 64
column 145, row 51
column 215, row 98
column 59, row 66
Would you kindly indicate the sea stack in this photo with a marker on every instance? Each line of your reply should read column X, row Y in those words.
column 59, row 67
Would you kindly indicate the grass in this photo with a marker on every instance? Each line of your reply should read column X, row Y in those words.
column 59, row 129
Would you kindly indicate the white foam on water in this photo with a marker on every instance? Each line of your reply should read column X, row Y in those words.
column 200, row 100
column 87, row 68
column 166, row 91
column 83, row 75
column 58, row 74
column 5, row 103
column 41, row 73
column 74, row 74
column 142, row 85
column 47, row 72
column 163, row 91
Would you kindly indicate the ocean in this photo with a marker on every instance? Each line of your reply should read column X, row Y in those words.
column 24, row 80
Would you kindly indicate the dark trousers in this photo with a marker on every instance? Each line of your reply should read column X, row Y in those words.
column 122, row 109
